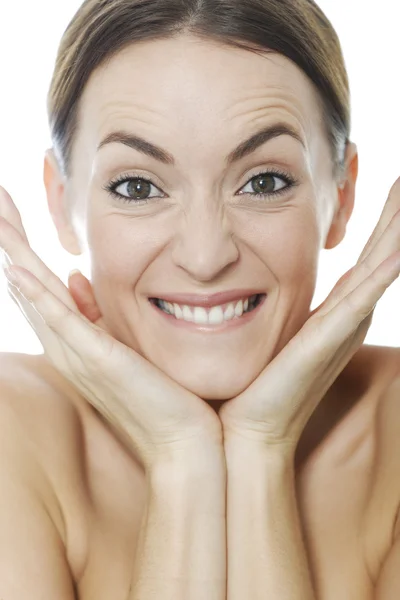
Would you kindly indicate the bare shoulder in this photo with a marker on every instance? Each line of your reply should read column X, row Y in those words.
column 42, row 409
column 18, row 371
column 386, row 364
column 386, row 361
column 381, row 366
column 41, row 400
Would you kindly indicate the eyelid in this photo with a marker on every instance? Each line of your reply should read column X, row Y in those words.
column 139, row 174
column 281, row 166
column 272, row 169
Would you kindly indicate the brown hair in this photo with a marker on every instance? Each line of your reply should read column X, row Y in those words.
column 297, row 29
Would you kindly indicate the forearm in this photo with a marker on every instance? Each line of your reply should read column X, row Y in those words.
column 266, row 554
column 181, row 552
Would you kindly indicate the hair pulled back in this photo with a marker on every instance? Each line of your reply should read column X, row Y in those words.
column 297, row 29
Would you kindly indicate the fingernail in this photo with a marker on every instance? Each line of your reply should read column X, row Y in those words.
column 73, row 272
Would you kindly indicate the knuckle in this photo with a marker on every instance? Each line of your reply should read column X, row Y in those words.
column 351, row 304
column 394, row 222
column 37, row 295
column 58, row 319
column 312, row 340
column 357, row 307
column 366, row 266
column 102, row 352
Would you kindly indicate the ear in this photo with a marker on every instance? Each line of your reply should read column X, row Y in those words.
column 59, row 204
column 346, row 191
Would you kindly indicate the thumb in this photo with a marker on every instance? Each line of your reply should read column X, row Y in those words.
column 81, row 291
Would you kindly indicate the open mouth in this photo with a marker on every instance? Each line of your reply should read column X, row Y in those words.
column 215, row 316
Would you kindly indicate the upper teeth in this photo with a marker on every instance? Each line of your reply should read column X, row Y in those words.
column 215, row 316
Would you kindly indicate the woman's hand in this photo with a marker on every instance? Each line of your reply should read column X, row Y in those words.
column 274, row 410
column 156, row 416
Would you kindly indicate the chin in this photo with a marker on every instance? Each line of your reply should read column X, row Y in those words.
column 214, row 387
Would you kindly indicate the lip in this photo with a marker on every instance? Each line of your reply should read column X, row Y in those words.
column 208, row 300
column 209, row 329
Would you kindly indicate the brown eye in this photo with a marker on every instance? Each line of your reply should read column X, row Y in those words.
column 267, row 184
column 264, row 184
column 138, row 189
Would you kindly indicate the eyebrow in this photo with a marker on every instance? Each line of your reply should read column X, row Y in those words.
column 244, row 149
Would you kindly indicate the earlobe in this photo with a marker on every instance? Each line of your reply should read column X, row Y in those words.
column 57, row 201
column 346, row 190
column 337, row 230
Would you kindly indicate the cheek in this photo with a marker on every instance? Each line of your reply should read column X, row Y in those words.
column 287, row 242
column 119, row 250
column 289, row 245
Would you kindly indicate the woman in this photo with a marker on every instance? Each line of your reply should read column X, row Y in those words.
column 192, row 431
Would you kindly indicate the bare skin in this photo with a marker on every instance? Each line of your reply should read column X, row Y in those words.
column 200, row 228
column 202, row 235
column 346, row 472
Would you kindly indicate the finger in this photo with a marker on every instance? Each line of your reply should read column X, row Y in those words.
column 387, row 246
column 81, row 291
column 308, row 359
column 383, row 243
column 55, row 322
column 45, row 335
column 346, row 316
column 6, row 263
column 16, row 242
column 21, row 254
column 9, row 211
column 327, row 331
column 75, row 347
column 93, row 352
column 392, row 206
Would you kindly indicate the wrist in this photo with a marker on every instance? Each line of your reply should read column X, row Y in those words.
column 191, row 482
column 189, row 461
column 248, row 454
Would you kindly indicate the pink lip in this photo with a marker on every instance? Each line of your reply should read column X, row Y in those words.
column 209, row 300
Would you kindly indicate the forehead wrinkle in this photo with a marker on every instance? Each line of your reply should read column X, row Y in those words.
column 274, row 113
column 270, row 96
column 278, row 72
column 124, row 113
column 267, row 100
column 121, row 111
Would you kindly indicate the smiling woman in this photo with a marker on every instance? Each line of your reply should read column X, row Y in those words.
column 188, row 427
column 264, row 160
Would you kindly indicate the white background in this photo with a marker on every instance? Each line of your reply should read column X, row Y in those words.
column 29, row 36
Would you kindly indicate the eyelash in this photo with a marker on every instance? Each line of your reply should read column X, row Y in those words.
column 113, row 185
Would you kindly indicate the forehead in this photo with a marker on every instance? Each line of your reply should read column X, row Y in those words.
column 171, row 87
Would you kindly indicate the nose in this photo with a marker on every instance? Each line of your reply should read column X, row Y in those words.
column 204, row 243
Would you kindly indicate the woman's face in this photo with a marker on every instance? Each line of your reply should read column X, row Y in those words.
column 199, row 227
